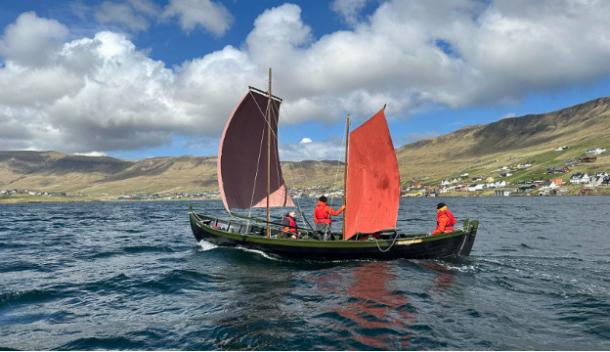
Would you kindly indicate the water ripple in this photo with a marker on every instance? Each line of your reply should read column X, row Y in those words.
column 130, row 276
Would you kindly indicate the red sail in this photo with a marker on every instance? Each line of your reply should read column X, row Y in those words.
column 242, row 156
column 373, row 180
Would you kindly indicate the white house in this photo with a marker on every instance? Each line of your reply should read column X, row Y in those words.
column 446, row 189
column 477, row 187
column 596, row 151
column 580, row 178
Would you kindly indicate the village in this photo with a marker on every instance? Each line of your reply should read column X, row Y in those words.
column 506, row 181
column 64, row 196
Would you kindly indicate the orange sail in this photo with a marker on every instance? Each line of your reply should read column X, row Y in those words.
column 242, row 156
column 373, row 181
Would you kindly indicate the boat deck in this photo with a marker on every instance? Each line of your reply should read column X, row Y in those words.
column 257, row 228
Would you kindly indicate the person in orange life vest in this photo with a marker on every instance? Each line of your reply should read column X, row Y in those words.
column 444, row 219
column 322, row 214
column 290, row 225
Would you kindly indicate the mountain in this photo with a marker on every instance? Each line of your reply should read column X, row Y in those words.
column 106, row 176
column 478, row 150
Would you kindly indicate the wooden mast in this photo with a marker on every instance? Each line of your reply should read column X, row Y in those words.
column 345, row 171
column 268, row 118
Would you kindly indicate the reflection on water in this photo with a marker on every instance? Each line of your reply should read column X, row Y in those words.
column 373, row 310
column 381, row 315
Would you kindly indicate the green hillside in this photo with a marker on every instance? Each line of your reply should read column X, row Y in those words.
column 480, row 150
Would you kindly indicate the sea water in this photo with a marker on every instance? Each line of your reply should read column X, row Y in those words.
column 131, row 276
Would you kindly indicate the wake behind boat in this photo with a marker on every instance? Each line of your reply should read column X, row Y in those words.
column 250, row 176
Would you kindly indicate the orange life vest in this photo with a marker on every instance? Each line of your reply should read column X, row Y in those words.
column 322, row 213
column 444, row 222
column 292, row 224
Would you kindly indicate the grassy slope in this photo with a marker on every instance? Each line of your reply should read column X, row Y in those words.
column 156, row 175
column 479, row 150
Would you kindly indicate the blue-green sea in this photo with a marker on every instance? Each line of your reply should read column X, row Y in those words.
column 130, row 275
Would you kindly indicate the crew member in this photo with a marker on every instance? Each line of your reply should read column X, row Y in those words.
column 322, row 214
column 444, row 219
column 290, row 225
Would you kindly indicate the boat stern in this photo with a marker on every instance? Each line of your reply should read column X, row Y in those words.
column 470, row 228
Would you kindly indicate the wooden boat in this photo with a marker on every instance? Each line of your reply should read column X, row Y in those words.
column 250, row 176
column 385, row 245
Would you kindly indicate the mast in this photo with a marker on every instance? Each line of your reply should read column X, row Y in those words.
column 345, row 171
column 268, row 118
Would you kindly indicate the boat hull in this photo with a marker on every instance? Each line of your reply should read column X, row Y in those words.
column 458, row 243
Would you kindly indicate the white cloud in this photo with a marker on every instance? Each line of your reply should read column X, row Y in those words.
column 348, row 9
column 122, row 14
column 137, row 15
column 325, row 150
column 211, row 16
column 32, row 40
column 305, row 140
column 146, row 7
column 102, row 93
column 93, row 154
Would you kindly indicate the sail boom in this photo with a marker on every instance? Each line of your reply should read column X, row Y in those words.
column 259, row 91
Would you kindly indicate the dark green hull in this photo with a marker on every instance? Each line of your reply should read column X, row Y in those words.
column 226, row 233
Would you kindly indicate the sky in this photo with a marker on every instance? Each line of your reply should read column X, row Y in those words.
column 139, row 78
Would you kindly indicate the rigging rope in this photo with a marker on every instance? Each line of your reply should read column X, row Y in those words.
column 302, row 175
column 390, row 246
column 260, row 148
column 296, row 201
column 267, row 123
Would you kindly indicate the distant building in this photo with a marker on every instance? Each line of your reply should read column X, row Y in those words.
column 477, row 187
column 557, row 170
column 596, row 151
column 558, row 181
column 579, row 178
column 503, row 193
column 588, row 159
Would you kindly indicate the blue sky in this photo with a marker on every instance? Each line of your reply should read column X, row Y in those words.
column 142, row 78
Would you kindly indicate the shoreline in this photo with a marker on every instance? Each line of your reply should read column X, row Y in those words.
column 39, row 200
